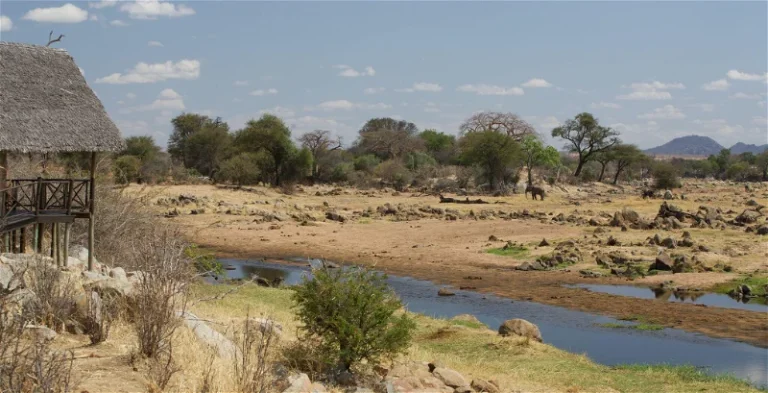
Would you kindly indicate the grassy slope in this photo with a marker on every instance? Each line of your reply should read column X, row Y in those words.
column 475, row 351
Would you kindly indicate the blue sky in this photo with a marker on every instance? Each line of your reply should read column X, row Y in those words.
column 653, row 71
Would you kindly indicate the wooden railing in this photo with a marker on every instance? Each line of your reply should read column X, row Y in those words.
column 44, row 196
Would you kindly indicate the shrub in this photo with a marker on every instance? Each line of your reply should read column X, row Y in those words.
column 366, row 163
column 417, row 159
column 240, row 169
column 351, row 312
column 254, row 343
column 127, row 169
column 54, row 301
column 393, row 172
column 665, row 176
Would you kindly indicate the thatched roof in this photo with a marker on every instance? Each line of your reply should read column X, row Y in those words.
column 46, row 105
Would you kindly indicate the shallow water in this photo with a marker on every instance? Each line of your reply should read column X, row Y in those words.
column 708, row 299
column 573, row 331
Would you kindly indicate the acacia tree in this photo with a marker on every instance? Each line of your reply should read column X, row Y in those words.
column 538, row 155
column 388, row 138
column 506, row 123
column 184, row 126
column 440, row 145
column 586, row 137
column 762, row 163
column 319, row 143
column 271, row 137
column 625, row 155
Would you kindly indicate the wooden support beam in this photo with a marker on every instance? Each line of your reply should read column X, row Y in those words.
column 23, row 240
column 91, row 212
column 67, row 227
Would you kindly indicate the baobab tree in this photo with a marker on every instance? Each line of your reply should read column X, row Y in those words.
column 319, row 143
column 507, row 123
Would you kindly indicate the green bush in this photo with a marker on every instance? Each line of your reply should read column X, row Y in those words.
column 127, row 169
column 350, row 313
column 665, row 176
column 393, row 172
column 366, row 163
column 240, row 169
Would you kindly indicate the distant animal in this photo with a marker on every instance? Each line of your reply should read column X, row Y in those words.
column 648, row 194
column 534, row 191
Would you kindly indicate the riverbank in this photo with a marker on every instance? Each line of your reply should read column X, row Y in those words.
column 261, row 221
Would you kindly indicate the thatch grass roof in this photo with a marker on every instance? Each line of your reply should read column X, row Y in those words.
column 46, row 105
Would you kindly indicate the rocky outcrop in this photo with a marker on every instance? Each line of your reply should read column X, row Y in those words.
column 520, row 327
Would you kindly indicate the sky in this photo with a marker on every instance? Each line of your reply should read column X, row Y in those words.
column 650, row 70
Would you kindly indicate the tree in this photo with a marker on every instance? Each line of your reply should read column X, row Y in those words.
column 388, row 138
column 240, row 169
column 319, row 143
column 603, row 158
column 352, row 312
column 665, row 176
column 142, row 147
column 625, row 155
column 494, row 153
column 271, row 135
column 722, row 160
column 440, row 145
column 184, row 125
column 586, row 137
column 207, row 148
column 508, row 124
column 537, row 155
column 127, row 169
column 762, row 163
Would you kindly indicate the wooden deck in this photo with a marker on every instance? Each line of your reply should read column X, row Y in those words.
column 42, row 201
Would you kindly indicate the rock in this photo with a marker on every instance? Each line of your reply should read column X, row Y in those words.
column 675, row 223
column 39, row 333
column 118, row 273
column 225, row 348
column 543, row 243
column 298, row 383
column 597, row 221
column 662, row 262
column 669, row 242
column 445, row 292
column 603, row 260
column 618, row 258
column 520, row 327
column 464, row 389
column 745, row 289
column 682, row 265
column 612, row 241
column 346, row 378
column 483, row 386
column 668, row 195
column 450, row 377
column 590, row 274
column 265, row 325
column 748, row 216
column 467, row 318
column 493, row 238
column 333, row 216
column 762, row 229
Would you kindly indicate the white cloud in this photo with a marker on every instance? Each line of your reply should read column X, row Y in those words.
column 278, row 111
column 667, row 112
column 103, row 4
column 151, row 73
column 646, row 95
column 241, row 83
column 130, row 96
column 5, row 23
column 155, row 43
column 720, row 84
column 350, row 72
column 348, row 105
column 745, row 96
column 655, row 85
column 545, row 123
column 711, row 123
column 609, row 105
column 424, row 86
column 491, row 90
column 263, row 92
column 431, row 107
column 168, row 100
column 310, row 123
column 374, row 90
column 537, row 82
column 130, row 127
column 67, row 13
column 152, row 9
column 703, row 107
column 761, row 104
column 121, row 102
column 93, row 17
column 118, row 23
column 760, row 121
column 743, row 76
column 719, row 126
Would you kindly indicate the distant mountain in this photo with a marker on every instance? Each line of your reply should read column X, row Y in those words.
column 693, row 145
column 743, row 148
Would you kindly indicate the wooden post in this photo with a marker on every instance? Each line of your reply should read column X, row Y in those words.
column 4, row 175
column 23, row 240
column 91, row 211
column 66, row 244
column 53, row 239
column 38, row 207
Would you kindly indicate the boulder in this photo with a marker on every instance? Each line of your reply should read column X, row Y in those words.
column 603, row 260
column 298, row 383
column 748, row 216
column 618, row 258
column 682, row 265
column 520, row 327
column 445, row 292
column 662, row 262
column 668, row 242
column 450, row 377
column 668, row 195
column 612, row 241
column 39, row 333
column 464, row 389
column 333, row 216
column 483, row 386
column 118, row 273
column 543, row 243
column 762, row 229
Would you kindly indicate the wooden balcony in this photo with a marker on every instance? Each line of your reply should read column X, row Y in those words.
column 41, row 201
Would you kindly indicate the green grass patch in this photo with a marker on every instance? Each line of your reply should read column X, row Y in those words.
column 687, row 373
column 757, row 283
column 641, row 323
column 509, row 250
column 468, row 324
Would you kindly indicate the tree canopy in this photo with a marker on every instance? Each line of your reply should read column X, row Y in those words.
column 586, row 137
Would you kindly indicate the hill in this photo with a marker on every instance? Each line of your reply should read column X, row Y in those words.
column 694, row 145
column 743, row 148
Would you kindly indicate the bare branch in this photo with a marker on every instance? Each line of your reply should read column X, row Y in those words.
column 51, row 41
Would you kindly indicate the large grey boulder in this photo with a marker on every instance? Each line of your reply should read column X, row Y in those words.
column 450, row 377
column 225, row 348
column 299, row 383
column 520, row 327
